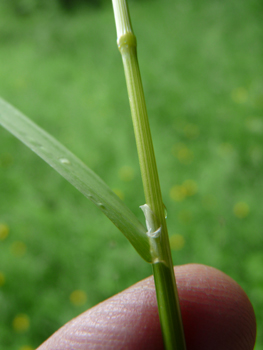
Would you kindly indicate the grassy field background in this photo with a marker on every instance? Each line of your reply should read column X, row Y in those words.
column 201, row 65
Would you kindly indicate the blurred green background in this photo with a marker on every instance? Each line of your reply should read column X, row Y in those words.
column 201, row 64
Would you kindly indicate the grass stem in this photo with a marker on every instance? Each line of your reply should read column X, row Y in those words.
column 166, row 291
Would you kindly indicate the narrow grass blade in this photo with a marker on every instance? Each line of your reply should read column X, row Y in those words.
column 78, row 174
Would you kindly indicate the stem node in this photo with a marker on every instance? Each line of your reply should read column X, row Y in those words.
column 126, row 40
column 166, row 291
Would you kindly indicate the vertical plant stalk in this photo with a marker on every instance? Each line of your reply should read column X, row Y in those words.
column 166, row 290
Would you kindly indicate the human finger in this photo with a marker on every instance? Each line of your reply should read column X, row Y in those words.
column 216, row 313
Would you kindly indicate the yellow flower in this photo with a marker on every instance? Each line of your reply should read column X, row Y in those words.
column 177, row 242
column 4, row 231
column 26, row 347
column 241, row 210
column 78, row 297
column 21, row 323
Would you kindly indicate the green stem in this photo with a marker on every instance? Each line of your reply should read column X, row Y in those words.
column 166, row 291
column 168, row 307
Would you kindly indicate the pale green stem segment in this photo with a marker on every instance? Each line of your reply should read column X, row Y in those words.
column 167, row 295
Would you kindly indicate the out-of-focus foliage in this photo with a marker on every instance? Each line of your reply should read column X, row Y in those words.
column 25, row 7
column 201, row 65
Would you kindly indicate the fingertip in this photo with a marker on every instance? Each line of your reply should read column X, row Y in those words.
column 216, row 311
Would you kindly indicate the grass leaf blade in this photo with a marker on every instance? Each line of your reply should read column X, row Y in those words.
column 77, row 173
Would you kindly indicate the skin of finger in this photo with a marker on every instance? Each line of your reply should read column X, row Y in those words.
column 216, row 313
